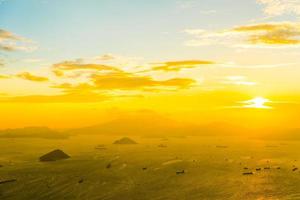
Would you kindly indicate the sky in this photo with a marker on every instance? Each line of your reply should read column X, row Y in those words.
column 70, row 63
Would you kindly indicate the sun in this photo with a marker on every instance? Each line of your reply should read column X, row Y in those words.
column 257, row 102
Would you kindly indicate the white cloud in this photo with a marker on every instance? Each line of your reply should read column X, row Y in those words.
column 204, row 37
column 238, row 80
column 280, row 7
column 208, row 12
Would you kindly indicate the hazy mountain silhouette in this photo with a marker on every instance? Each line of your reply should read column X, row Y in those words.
column 32, row 132
column 153, row 124
column 282, row 134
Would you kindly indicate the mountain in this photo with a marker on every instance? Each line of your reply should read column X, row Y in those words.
column 282, row 134
column 33, row 132
column 125, row 140
column 54, row 156
column 151, row 124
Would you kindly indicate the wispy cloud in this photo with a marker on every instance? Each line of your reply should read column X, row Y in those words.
column 179, row 65
column 100, row 82
column 283, row 34
column 238, row 80
column 106, row 77
column 99, row 88
column 60, row 68
column 106, row 57
column 208, row 12
column 124, row 81
column 280, row 7
column 286, row 33
column 258, row 66
column 2, row 62
column 4, row 76
column 60, row 98
column 129, row 81
column 30, row 77
column 12, row 42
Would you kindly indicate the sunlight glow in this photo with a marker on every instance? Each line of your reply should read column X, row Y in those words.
column 258, row 102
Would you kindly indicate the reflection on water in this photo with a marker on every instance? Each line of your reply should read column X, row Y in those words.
column 145, row 171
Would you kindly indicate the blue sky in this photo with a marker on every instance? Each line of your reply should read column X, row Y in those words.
column 152, row 31
column 149, row 29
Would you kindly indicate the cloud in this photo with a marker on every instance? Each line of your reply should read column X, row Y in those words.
column 102, row 81
column 12, row 42
column 81, row 88
column 2, row 63
column 238, row 80
column 5, row 35
column 281, row 34
column 124, row 81
column 60, row 98
column 127, row 81
column 28, row 76
column 257, row 66
column 4, row 76
column 114, row 59
column 186, row 4
column 272, row 33
column 280, row 7
column 201, row 37
column 80, row 93
column 208, row 12
column 11, row 47
column 60, row 68
column 106, row 57
column 178, row 65
column 106, row 77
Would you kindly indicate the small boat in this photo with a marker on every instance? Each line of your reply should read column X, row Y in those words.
column 100, row 147
column 108, row 165
column 295, row 169
column 162, row 146
column 180, row 172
